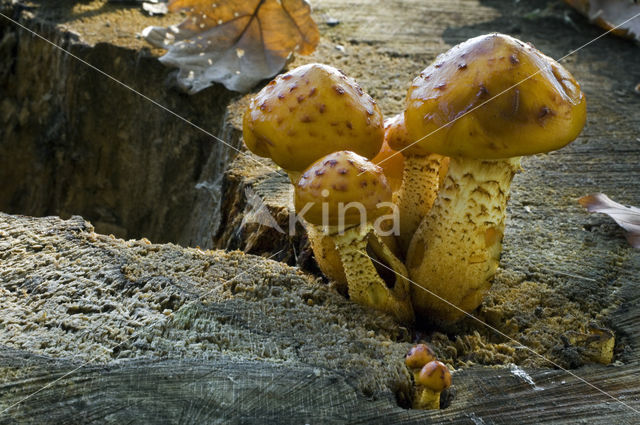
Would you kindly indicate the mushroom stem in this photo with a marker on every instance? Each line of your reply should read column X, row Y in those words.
column 326, row 255
column 426, row 398
column 456, row 250
column 370, row 283
column 294, row 176
column 328, row 259
column 420, row 181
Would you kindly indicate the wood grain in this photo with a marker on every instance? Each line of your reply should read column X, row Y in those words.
column 550, row 240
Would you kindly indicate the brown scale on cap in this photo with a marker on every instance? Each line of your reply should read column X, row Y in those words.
column 340, row 178
column 307, row 100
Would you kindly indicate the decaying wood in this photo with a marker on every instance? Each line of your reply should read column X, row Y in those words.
column 558, row 261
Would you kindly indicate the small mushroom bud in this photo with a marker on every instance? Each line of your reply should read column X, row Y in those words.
column 418, row 356
column 310, row 112
column 538, row 107
column 350, row 196
column 420, row 179
column 434, row 377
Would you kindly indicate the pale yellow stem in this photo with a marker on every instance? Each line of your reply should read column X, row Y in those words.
column 326, row 255
column 425, row 398
column 456, row 250
column 356, row 247
column 420, row 181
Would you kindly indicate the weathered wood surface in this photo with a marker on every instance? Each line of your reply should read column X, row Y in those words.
column 176, row 338
column 74, row 142
column 551, row 245
column 247, row 392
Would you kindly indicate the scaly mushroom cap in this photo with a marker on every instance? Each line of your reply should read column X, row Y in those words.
column 338, row 179
column 435, row 375
column 310, row 112
column 419, row 356
column 541, row 109
column 391, row 161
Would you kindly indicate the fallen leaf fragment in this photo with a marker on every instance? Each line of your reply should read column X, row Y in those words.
column 236, row 43
column 155, row 7
column 627, row 217
column 608, row 14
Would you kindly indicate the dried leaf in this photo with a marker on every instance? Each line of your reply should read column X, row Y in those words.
column 627, row 217
column 610, row 13
column 155, row 7
column 236, row 43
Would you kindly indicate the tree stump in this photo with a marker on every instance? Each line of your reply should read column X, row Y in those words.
column 96, row 328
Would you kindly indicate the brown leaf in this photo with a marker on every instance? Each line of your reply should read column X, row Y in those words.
column 236, row 43
column 627, row 217
column 608, row 14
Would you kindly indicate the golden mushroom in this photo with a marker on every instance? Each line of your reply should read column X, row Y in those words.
column 430, row 377
column 305, row 114
column 350, row 197
column 538, row 107
column 418, row 356
column 434, row 377
column 308, row 113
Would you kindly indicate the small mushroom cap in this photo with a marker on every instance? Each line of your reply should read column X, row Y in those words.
column 395, row 132
column 392, row 161
column 419, row 356
column 538, row 105
column 335, row 181
column 434, row 375
column 308, row 113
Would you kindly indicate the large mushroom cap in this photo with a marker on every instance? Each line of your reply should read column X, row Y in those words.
column 541, row 109
column 310, row 112
column 337, row 180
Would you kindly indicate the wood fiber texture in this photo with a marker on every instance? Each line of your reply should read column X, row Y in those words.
column 282, row 347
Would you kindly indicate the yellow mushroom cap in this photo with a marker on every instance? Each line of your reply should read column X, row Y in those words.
column 391, row 161
column 395, row 132
column 310, row 112
column 434, row 375
column 542, row 107
column 337, row 180
column 419, row 356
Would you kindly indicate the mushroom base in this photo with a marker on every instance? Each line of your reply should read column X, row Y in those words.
column 455, row 252
column 375, row 276
column 420, row 181
column 326, row 255
column 425, row 398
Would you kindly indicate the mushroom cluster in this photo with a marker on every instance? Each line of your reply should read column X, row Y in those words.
column 321, row 127
column 419, row 197
column 430, row 377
